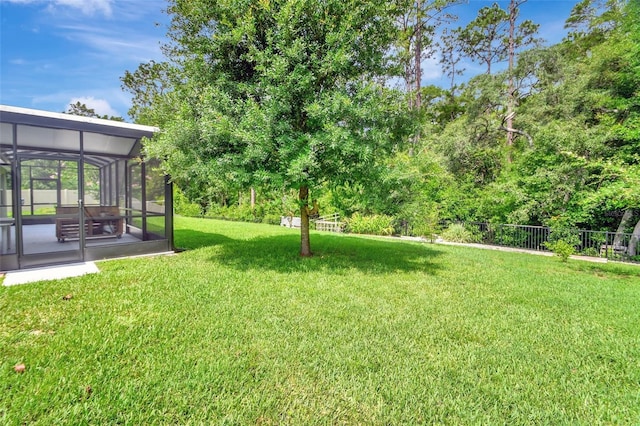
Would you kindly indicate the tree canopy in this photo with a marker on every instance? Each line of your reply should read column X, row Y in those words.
column 280, row 93
column 298, row 95
column 83, row 110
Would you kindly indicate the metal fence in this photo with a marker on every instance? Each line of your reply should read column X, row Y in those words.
column 611, row 245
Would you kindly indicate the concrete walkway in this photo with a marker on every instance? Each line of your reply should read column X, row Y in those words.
column 509, row 249
column 25, row 276
column 517, row 250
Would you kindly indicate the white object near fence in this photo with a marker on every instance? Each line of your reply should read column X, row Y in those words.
column 329, row 223
column 290, row 221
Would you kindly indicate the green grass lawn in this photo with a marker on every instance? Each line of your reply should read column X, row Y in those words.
column 238, row 330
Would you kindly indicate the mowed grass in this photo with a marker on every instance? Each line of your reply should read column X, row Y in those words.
column 238, row 329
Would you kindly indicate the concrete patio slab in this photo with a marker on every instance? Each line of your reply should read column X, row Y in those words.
column 25, row 276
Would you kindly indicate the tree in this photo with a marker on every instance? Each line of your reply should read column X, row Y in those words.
column 451, row 56
column 511, row 53
column 83, row 110
column 493, row 37
column 583, row 112
column 150, row 85
column 591, row 21
column 483, row 39
column 280, row 94
column 417, row 22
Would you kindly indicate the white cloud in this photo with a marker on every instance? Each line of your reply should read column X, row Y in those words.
column 100, row 106
column 431, row 69
column 122, row 45
column 87, row 7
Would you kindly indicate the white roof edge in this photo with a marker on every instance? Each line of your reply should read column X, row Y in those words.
column 78, row 118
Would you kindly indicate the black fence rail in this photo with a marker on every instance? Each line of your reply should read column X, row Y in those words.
column 611, row 245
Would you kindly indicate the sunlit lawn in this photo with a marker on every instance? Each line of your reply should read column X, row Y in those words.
column 238, row 330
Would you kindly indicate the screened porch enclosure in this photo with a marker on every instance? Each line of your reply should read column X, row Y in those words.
column 75, row 189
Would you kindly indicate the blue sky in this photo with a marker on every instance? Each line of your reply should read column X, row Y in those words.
column 57, row 52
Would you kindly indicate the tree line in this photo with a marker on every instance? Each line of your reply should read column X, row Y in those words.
column 298, row 100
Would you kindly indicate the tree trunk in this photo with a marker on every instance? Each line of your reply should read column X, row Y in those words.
column 633, row 242
column 511, row 89
column 624, row 223
column 253, row 198
column 305, row 243
column 418, row 74
column 418, row 54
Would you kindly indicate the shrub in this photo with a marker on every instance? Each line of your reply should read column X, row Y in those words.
column 243, row 213
column 374, row 225
column 514, row 236
column 418, row 219
column 426, row 226
column 563, row 229
column 272, row 219
column 458, row 233
column 183, row 206
column 561, row 248
column 591, row 251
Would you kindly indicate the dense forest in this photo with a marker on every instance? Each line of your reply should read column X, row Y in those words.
column 252, row 98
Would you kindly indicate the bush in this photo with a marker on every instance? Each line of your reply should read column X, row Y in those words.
column 563, row 229
column 426, row 226
column 373, row 225
column 561, row 248
column 458, row 233
column 272, row 219
column 418, row 219
column 514, row 236
column 591, row 251
column 183, row 207
column 242, row 213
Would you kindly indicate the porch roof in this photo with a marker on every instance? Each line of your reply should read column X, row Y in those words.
column 101, row 137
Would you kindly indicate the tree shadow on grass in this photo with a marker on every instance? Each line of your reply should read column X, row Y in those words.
column 187, row 239
column 335, row 253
